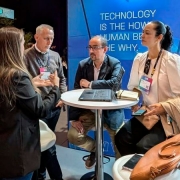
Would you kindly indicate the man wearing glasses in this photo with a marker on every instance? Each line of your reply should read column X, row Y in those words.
column 99, row 71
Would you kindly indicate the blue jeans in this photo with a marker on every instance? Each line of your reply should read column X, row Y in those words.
column 26, row 177
column 113, row 118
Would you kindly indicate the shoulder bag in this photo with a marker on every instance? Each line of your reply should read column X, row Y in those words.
column 159, row 160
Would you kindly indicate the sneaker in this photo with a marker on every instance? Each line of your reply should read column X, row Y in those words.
column 90, row 161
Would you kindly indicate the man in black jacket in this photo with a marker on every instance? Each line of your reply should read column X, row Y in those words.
column 99, row 71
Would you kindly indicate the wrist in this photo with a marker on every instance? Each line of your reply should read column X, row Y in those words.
column 89, row 85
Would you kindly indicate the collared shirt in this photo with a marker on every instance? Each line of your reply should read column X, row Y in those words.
column 96, row 71
column 39, row 50
column 165, row 83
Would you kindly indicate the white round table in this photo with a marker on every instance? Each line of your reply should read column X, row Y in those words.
column 71, row 98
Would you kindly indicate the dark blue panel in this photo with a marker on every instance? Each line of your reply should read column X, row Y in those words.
column 121, row 22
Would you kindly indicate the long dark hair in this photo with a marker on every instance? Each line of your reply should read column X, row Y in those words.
column 160, row 28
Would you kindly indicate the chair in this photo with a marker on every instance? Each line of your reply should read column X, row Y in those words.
column 47, row 136
column 119, row 174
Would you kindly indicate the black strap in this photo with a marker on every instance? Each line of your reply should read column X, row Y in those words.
column 106, row 157
column 148, row 62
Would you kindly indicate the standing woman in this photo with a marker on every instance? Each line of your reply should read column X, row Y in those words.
column 156, row 74
column 20, row 109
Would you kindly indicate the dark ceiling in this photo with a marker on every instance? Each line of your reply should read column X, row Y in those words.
column 31, row 13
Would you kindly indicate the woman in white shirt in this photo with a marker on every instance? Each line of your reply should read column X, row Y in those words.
column 156, row 74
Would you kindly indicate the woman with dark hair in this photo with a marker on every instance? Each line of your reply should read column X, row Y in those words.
column 21, row 106
column 155, row 75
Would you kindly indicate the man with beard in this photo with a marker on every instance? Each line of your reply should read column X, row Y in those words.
column 99, row 71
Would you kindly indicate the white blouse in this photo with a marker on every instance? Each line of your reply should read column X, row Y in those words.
column 165, row 85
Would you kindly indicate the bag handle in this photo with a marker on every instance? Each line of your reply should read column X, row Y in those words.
column 168, row 156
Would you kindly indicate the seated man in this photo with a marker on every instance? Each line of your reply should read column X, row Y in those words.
column 99, row 71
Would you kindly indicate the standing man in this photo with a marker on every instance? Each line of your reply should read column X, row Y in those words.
column 41, row 61
column 99, row 71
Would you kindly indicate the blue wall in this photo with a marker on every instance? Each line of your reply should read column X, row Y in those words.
column 121, row 22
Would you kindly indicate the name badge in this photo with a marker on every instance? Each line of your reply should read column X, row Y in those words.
column 145, row 84
column 46, row 73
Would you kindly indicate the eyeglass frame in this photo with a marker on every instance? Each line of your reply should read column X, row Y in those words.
column 94, row 48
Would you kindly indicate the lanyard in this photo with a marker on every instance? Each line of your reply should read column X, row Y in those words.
column 40, row 62
column 147, row 64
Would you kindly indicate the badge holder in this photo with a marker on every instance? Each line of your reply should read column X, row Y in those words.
column 46, row 73
column 145, row 84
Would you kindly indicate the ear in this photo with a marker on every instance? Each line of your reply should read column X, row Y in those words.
column 105, row 49
column 160, row 37
column 35, row 36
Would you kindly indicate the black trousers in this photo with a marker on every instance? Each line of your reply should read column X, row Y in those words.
column 133, row 137
column 49, row 159
column 50, row 162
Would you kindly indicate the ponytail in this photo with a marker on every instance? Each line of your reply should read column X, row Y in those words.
column 160, row 28
column 166, row 42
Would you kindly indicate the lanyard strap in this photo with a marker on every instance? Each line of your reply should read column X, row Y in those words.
column 40, row 63
column 148, row 63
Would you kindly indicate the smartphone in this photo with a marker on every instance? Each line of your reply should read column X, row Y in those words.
column 139, row 112
column 45, row 75
column 130, row 164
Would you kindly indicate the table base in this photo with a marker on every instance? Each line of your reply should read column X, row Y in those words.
column 91, row 176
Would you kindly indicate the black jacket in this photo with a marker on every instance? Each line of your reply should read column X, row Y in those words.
column 110, row 77
column 19, row 128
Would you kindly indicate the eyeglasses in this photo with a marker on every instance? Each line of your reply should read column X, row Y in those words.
column 94, row 48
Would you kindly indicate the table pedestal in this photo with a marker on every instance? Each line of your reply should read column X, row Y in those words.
column 99, row 169
column 71, row 98
column 91, row 176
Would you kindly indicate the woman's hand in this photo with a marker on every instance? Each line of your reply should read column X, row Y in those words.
column 155, row 109
column 135, row 108
column 38, row 82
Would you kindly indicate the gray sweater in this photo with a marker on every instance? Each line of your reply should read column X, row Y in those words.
column 34, row 60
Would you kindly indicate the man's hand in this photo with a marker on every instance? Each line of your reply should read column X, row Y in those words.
column 54, row 79
column 59, row 104
column 84, row 83
column 38, row 82
column 155, row 109
column 78, row 126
